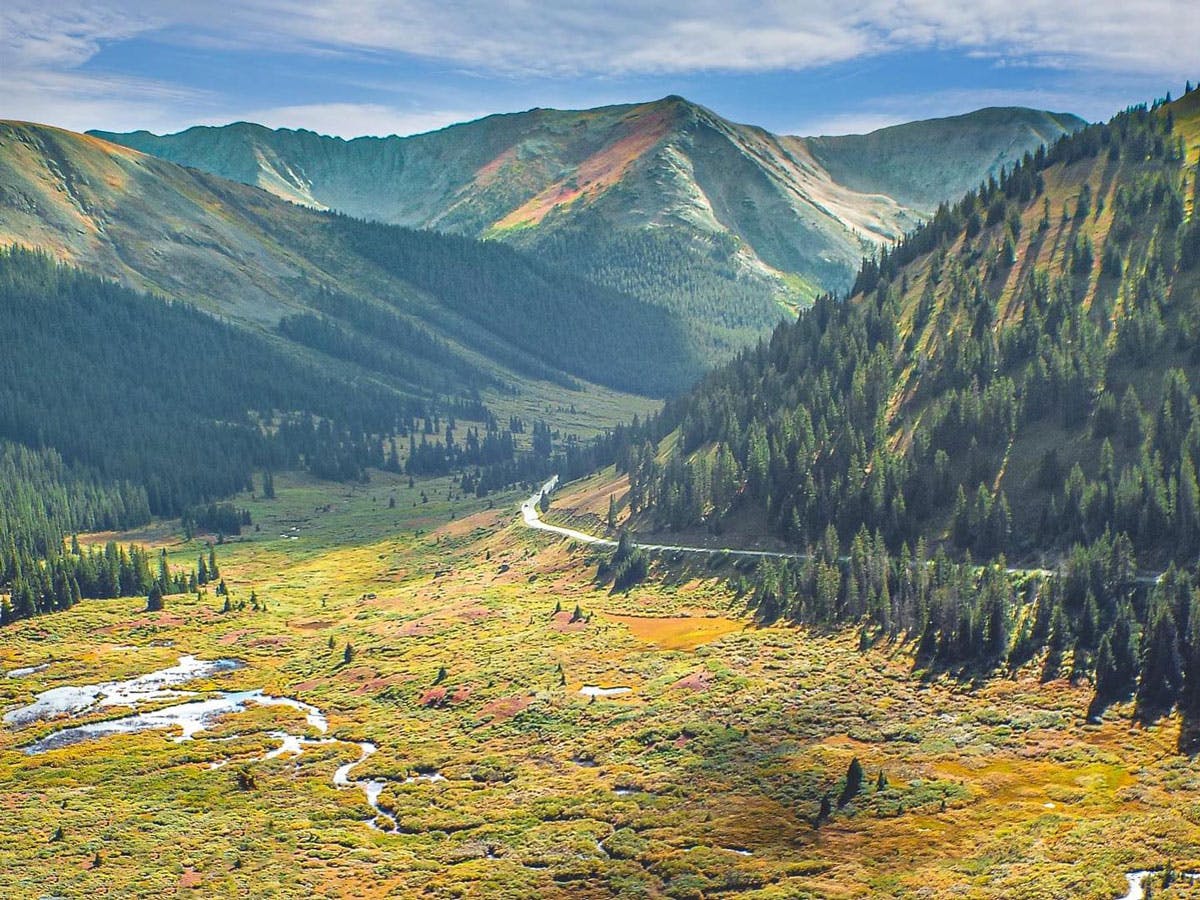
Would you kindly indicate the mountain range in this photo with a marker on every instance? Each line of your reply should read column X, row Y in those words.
column 257, row 260
column 721, row 223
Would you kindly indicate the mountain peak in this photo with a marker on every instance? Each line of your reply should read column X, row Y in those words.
column 790, row 216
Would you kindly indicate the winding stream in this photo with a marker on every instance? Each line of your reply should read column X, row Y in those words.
column 371, row 787
column 190, row 717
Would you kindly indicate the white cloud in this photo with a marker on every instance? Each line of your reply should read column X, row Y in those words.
column 44, row 45
column 353, row 119
column 603, row 36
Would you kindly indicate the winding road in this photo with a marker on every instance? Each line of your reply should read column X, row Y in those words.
column 531, row 515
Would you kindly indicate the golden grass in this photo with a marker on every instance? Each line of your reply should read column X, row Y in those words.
column 726, row 743
column 678, row 632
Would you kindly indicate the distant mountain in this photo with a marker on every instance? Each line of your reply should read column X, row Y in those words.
column 437, row 313
column 922, row 164
column 668, row 201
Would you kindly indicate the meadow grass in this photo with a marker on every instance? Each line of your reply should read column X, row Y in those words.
column 704, row 780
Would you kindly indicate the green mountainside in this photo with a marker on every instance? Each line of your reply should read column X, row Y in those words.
column 1017, row 378
column 170, row 335
column 721, row 223
column 463, row 313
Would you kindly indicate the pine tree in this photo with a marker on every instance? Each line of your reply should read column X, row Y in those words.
column 154, row 602
column 1161, row 666
column 164, row 573
column 854, row 779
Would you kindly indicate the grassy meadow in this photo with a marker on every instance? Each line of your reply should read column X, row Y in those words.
column 703, row 780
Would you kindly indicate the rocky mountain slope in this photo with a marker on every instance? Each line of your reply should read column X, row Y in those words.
column 667, row 200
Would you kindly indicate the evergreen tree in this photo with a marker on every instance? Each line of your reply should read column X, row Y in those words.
column 1161, row 666
column 854, row 779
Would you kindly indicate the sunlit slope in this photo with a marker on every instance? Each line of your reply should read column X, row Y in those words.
column 1043, row 322
column 250, row 256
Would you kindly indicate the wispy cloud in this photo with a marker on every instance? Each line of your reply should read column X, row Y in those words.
column 55, row 68
column 639, row 36
column 353, row 119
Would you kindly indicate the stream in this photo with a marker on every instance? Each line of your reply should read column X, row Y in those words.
column 1137, row 882
column 191, row 716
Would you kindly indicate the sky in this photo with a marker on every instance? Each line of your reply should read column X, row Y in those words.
column 356, row 67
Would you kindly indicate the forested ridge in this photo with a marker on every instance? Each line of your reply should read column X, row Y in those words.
column 721, row 306
column 1016, row 380
column 116, row 406
column 555, row 319
column 428, row 314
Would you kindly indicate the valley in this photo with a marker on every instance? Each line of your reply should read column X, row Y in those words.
column 606, row 502
column 462, row 669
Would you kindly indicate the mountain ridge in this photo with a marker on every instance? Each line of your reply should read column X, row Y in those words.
column 245, row 254
column 753, row 217
column 877, row 170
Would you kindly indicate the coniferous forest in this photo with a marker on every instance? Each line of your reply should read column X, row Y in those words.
column 991, row 448
column 117, row 406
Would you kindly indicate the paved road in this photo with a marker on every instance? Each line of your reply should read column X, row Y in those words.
column 531, row 516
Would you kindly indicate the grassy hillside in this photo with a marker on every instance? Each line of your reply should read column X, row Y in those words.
column 1017, row 380
column 246, row 255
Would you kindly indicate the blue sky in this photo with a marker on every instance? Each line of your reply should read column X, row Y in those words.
column 403, row 66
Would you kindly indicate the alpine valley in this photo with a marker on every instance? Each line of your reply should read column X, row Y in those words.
column 608, row 503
